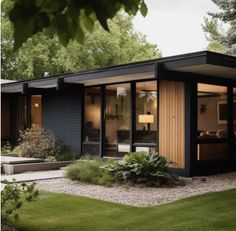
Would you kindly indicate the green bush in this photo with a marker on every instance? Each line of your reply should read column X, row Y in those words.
column 12, row 198
column 35, row 142
column 147, row 168
column 90, row 171
column 38, row 143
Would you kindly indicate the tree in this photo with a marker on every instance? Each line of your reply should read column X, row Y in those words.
column 44, row 53
column 219, row 39
column 69, row 19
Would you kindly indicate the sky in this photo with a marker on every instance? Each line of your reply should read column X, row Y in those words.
column 175, row 25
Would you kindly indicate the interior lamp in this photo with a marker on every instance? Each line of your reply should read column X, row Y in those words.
column 147, row 120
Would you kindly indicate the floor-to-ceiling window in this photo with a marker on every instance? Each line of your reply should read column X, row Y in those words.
column 92, row 116
column 146, row 116
column 212, row 122
column 117, row 120
column 116, row 102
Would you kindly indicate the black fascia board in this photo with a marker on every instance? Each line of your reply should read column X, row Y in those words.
column 221, row 60
column 16, row 87
column 111, row 73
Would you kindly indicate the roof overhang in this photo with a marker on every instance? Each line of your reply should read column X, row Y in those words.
column 200, row 63
column 205, row 63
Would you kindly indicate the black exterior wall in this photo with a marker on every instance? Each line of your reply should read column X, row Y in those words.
column 61, row 114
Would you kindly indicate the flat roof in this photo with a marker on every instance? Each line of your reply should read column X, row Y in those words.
column 202, row 62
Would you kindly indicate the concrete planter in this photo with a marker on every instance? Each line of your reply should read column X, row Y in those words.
column 10, row 169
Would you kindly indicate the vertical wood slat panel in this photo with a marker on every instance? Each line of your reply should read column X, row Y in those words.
column 172, row 117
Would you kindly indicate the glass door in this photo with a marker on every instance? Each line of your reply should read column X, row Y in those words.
column 92, row 116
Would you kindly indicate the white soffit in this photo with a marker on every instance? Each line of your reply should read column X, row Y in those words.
column 117, row 79
column 211, row 70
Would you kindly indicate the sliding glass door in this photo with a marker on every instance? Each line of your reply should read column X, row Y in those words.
column 109, row 129
column 92, row 124
column 117, row 120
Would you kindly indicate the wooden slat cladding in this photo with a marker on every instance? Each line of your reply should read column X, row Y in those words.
column 172, row 118
column 5, row 119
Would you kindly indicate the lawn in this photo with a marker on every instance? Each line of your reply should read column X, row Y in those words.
column 62, row 212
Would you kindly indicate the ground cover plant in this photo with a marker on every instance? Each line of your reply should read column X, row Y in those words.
column 53, row 211
column 91, row 171
column 141, row 167
column 150, row 169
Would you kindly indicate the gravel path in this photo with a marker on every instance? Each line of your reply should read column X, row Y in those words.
column 142, row 197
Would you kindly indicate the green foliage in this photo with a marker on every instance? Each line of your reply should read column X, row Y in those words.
column 35, row 142
column 44, row 53
column 90, row 171
column 38, row 143
column 6, row 149
column 145, row 168
column 68, row 19
column 222, row 40
column 12, row 198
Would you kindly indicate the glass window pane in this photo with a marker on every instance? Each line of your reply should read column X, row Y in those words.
column 117, row 122
column 212, row 151
column 212, row 111
column 92, row 116
column 146, row 108
column 36, row 109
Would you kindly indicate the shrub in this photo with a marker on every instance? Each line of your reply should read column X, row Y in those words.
column 90, row 171
column 35, row 142
column 12, row 198
column 146, row 168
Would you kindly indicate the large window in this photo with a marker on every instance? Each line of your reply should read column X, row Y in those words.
column 117, row 120
column 92, row 116
column 212, row 121
column 146, row 115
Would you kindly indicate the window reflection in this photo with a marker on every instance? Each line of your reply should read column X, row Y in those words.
column 92, row 121
column 212, row 111
column 117, row 122
column 146, row 107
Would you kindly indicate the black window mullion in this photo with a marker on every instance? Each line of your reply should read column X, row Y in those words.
column 133, row 116
column 102, row 122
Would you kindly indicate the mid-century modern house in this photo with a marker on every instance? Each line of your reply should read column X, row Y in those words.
column 182, row 106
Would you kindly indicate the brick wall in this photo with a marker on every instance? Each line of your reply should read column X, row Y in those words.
column 61, row 113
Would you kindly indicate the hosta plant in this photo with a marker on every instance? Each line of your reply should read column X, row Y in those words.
column 140, row 167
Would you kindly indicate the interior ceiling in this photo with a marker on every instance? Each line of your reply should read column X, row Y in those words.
column 212, row 70
column 211, row 88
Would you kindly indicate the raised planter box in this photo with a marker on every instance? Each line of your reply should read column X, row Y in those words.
column 10, row 169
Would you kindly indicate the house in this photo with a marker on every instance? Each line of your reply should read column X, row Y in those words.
column 181, row 106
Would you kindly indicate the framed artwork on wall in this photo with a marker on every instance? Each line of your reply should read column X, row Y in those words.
column 222, row 112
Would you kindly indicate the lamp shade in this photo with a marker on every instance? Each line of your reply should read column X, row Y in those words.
column 146, row 119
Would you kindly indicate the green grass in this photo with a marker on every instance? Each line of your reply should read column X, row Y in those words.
column 62, row 212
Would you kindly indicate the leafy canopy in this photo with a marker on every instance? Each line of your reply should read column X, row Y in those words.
column 222, row 40
column 69, row 19
column 43, row 53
